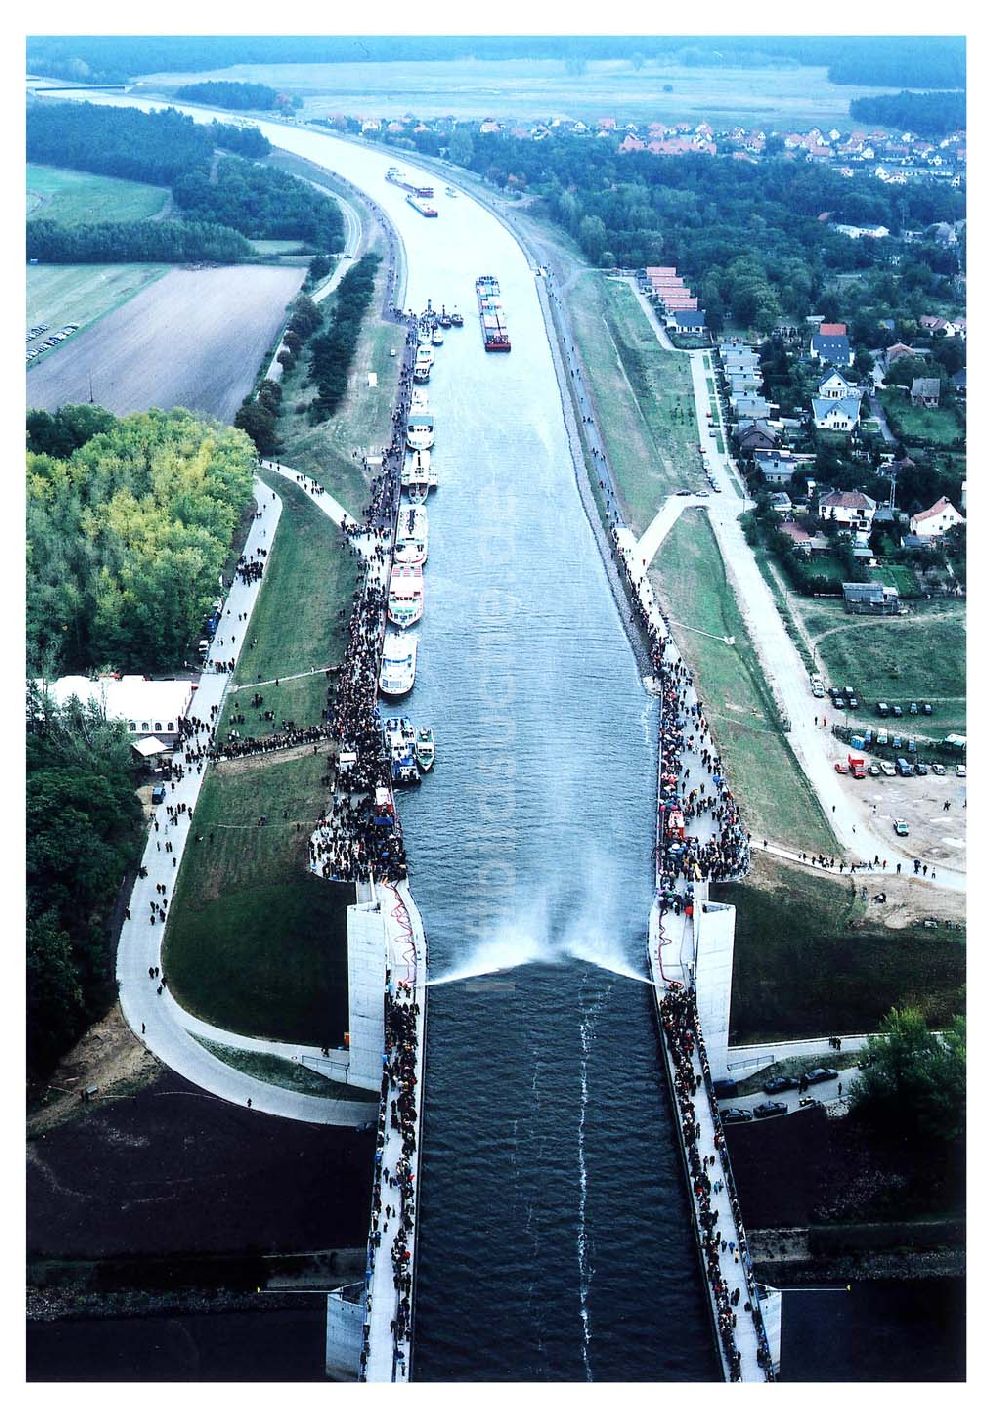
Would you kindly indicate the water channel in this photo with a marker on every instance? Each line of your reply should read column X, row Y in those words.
column 555, row 1242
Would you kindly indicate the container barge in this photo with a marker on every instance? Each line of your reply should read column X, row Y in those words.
column 395, row 176
column 491, row 316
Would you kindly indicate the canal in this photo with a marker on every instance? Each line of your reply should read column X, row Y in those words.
column 555, row 1241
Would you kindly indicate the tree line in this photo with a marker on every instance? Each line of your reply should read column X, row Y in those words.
column 84, row 831
column 332, row 349
column 933, row 114
column 110, row 242
column 262, row 202
column 155, row 147
column 238, row 96
column 233, row 194
column 129, row 525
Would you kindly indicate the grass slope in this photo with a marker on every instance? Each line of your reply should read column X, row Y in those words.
column 811, row 962
column 777, row 801
column 72, row 198
column 256, row 944
column 643, row 395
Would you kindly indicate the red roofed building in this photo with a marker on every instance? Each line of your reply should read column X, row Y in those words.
column 851, row 508
column 632, row 144
column 832, row 330
column 936, row 520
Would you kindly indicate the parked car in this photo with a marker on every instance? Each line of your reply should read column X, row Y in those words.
column 838, row 702
column 937, row 768
column 840, row 768
column 883, row 738
column 928, row 708
column 822, row 1072
column 724, row 1088
column 734, row 1116
column 888, row 769
column 159, row 794
column 897, row 711
column 874, row 769
column 883, row 709
column 778, row 1083
column 959, row 770
column 903, row 766
column 767, row 1108
column 913, row 709
column 920, row 768
column 807, row 1102
column 901, row 827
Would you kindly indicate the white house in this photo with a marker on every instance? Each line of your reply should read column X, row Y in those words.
column 149, row 708
column 848, row 508
column 834, row 385
column 836, row 414
column 936, row 520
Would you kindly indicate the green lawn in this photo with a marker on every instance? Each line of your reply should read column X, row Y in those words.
column 79, row 294
column 278, row 1071
column 938, row 426
column 255, row 943
column 915, row 655
column 72, row 198
column 310, row 578
column 643, row 394
column 812, row 960
column 777, row 801
column 364, row 419
column 898, row 577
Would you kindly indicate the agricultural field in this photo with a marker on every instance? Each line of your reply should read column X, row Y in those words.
column 916, row 655
column 938, row 427
column 689, row 577
column 643, row 394
column 814, row 959
column 256, row 944
column 790, row 97
column 80, row 294
column 72, row 198
column 193, row 339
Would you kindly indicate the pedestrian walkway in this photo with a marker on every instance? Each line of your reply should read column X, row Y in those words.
column 659, row 528
column 392, row 1246
column 163, row 1026
column 326, row 503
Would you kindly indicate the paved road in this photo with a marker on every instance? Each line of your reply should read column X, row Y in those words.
column 815, row 748
column 323, row 500
column 156, row 1017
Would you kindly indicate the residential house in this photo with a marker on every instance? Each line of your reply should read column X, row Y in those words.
column 937, row 520
column 835, row 385
column 752, row 407
column 958, row 382
column 778, row 466
column 803, row 542
column 686, row 321
column 754, row 435
column 875, row 598
column 847, row 508
column 832, row 347
column 874, row 233
column 782, row 504
column 836, row 414
column 925, row 392
column 895, row 351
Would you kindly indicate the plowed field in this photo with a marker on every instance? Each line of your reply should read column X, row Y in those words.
column 193, row 339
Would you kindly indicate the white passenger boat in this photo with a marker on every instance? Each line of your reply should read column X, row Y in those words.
column 420, row 431
column 419, row 401
column 425, row 748
column 437, row 337
column 399, row 664
column 406, row 595
column 411, row 536
column 425, row 350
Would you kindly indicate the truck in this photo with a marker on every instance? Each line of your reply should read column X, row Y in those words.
column 856, row 766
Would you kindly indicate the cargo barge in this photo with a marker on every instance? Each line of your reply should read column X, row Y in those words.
column 491, row 316
column 395, row 176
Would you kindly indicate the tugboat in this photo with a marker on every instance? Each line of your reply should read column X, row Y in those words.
column 457, row 319
column 444, row 319
column 425, row 748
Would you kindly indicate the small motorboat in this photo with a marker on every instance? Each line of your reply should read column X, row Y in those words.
column 424, row 749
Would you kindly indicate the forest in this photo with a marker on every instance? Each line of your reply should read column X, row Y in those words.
column 221, row 197
column 84, row 832
column 107, row 242
column 262, row 202
column 747, row 234
column 153, row 147
column 129, row 525
column 238, row 96
column 929, row 114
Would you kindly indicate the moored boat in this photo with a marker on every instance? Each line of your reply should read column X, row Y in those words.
column 399, row 664
column 457, row 319
column 437, row 337
column 400, row 740
column 406, row 595
column 411, row 536
column 424, row 749
column 420, row 431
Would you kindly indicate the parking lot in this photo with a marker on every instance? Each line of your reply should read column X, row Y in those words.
column 936, row 834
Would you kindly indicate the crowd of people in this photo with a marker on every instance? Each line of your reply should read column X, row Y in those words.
column 682, row 1029
column 394, row 1189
